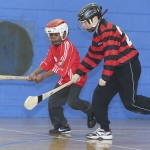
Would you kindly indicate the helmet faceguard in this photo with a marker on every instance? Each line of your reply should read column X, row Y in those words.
column 57, row 26
column 88, row 13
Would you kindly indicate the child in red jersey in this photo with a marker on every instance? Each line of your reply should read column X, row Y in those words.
column 121, row 70
column 62, row 59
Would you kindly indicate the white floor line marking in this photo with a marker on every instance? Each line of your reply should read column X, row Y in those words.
column 77, row 140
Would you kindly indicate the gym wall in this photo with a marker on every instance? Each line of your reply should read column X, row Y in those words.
column 23, row 45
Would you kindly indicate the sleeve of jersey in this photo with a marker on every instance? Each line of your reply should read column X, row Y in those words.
column 111, row 51
column 48, row 63
column 90, row 61
column 66, row 60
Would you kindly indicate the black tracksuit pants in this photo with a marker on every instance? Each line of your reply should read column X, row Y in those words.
column 68, row 95
column 124, row 81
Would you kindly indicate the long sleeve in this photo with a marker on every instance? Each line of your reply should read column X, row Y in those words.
column 90, row 61
column 93, row 57
column 107, row 48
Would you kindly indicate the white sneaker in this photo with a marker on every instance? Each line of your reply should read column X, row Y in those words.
column 100, row 134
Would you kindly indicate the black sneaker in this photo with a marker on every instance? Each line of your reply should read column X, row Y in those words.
column 54, row 131
column 64, row 129
column 91, row 122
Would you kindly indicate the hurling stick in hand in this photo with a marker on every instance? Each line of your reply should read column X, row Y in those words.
column 32, row 101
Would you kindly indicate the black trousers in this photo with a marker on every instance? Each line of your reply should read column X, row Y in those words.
column 125, row 82
column 68, row 95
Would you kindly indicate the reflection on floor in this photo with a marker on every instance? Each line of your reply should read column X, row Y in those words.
column 32, row 134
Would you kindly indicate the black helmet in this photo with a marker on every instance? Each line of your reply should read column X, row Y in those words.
column 89, row 11
column 87, row 14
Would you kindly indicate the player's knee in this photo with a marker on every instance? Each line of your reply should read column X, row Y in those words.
column 136, row 109
column 129, row 106
column 73, row 104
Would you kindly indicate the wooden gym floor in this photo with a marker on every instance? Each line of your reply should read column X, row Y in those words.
column 32, row 134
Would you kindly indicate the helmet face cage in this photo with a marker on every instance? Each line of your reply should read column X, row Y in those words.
column 87, row 13
column 57, row 28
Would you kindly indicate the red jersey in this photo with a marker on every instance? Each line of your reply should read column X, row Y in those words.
column 110, row 43
column 63, row 60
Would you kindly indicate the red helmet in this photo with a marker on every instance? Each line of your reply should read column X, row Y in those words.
column 57, row 26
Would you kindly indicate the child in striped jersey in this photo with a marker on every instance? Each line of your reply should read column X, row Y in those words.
column 121, row 71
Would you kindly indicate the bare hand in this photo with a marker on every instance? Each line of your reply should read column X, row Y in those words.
column 75, row 78
column 102, row 82
column 32, row 77
column 39, row 78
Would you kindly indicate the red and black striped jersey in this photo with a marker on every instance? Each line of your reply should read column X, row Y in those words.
column 110, row 43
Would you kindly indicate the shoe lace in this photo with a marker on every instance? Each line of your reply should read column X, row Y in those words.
column 97, row 130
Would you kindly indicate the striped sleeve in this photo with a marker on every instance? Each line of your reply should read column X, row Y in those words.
column 90, row 61
column 107, row 48
column 93, row 56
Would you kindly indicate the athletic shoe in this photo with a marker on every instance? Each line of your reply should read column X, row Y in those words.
column 54, row 131
column 91, row 122
column 64, row 129
column 99, row 145
column 100, row 134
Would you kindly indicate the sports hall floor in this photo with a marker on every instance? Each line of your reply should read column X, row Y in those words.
column 32, row 134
